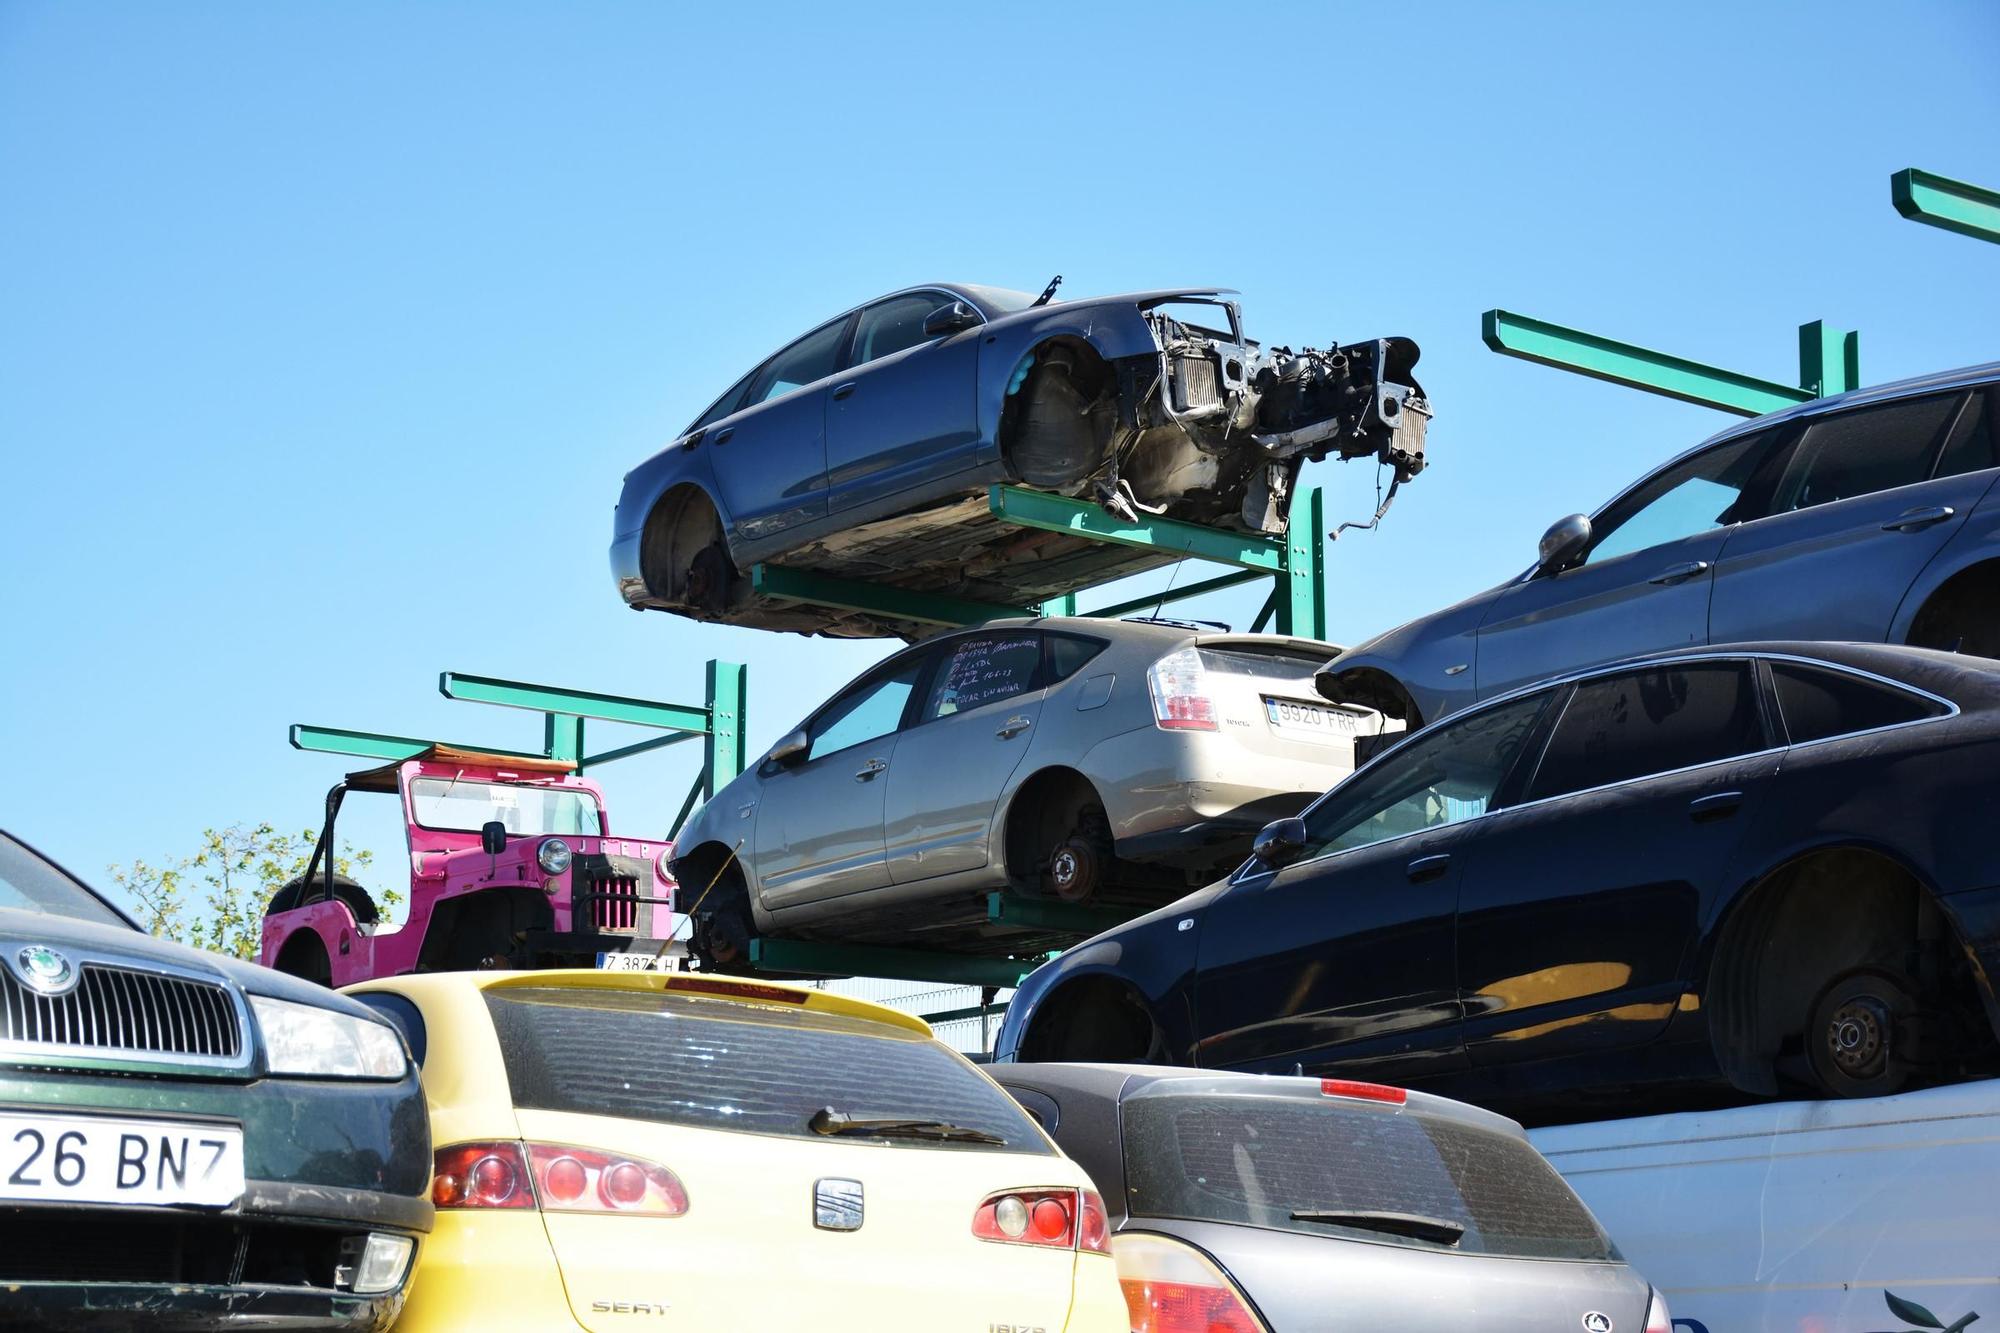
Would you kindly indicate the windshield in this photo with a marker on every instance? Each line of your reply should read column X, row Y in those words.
column 30, row 884
column 466, row 806
column 1326, row 1167
column 997, row 300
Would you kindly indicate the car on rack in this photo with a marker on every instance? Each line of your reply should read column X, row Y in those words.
column 1869, row 516
column 1245, row 1203
column 1751, row 870
column 864, row 449
column 625, row 1149
column 1069, row 758
column 512, row 864
column 189, row 1141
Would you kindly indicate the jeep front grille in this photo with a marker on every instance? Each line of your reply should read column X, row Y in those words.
column 124, row 1009
column 614, row 905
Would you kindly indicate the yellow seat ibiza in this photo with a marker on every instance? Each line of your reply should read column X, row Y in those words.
column 631, row 1150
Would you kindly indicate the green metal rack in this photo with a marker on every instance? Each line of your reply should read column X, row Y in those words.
column 718, row 722
column 1939, row 201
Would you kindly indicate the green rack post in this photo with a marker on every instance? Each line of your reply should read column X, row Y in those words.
column 1939, row 201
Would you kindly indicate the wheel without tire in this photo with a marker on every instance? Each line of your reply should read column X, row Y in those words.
column 721, row 940
column 1076, row 870
column 1852, row 1039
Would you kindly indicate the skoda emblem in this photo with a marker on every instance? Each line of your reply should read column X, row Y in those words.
column 46, row 970
column 1597, row 1322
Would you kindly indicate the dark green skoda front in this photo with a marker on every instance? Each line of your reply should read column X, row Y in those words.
column 190, row 1142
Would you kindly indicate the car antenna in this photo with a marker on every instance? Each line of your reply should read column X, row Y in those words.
column 1047, row 292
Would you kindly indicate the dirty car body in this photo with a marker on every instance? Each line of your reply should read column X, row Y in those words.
column 864, row 449
column 552, row 887
column 188, row 1141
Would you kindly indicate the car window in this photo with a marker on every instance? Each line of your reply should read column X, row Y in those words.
column 404, row 1016
column 890, row 326
column 982, row 670
column 810, row 358
column 1430, row 781
column 1845, row 454
column 1816, row 703
column 1630, row 725
column 1974, row 445
column 725, row 404
column 742, row 1068
column 1705, row 492
column 30, row 884
column 873, row 708
column 1326, row 1167
column 1069, row 654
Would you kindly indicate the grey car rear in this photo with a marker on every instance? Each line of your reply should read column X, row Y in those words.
column 1328, row 1205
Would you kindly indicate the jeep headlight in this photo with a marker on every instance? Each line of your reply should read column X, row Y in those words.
column 553, row 856
column 306, row 1040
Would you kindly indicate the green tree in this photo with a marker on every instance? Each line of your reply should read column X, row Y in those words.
column 215, row 898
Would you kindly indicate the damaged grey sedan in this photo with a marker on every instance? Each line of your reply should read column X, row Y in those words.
column 864, row 450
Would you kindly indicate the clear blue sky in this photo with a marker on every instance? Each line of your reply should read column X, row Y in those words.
column 328, row 329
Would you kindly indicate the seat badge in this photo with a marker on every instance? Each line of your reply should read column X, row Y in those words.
column 837, row 1204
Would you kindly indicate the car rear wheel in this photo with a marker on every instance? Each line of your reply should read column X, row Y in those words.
column 1857, row 1037
column 1080, row 864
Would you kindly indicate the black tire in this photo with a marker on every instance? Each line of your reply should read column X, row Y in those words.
column 304, row 956
column 1857, row 1032
column 346, row 890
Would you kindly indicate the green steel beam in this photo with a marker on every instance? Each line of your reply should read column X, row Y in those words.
column 929, row 608
column 1058, row 513
column 577, row 703
column 562, row 736
column 1829, row 359
column 687, row 806
column 640, row 747
column 1266, row 614
column 1939, row 201
column 723, row 753
column 1080, row 919
column 1636, row 367
column 959, row 1015
column 375, row 745
column 1064, row 605
column 1301, row 591
column 857, row 960
column 1173, row 595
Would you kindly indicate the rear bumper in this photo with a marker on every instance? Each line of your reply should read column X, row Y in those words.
column 113, row 1307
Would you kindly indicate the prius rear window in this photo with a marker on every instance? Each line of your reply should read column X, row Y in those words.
column 744, row 1068
column 1262, row 1161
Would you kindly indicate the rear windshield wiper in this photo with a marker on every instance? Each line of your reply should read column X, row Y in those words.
column 1413, row 1225
column 828, row 1121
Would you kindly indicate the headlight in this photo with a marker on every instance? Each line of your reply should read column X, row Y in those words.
column 319, row 1043
column 553, row 855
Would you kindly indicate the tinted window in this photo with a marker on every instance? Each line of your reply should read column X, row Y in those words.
column 1260, row 1160
column 1069, row 655
column 1817, row 703
column 984, row 670
column 1864, row 451
column 1452, row 774
column 1971, row 447
column 894, row 325
column 872, row 709
column 742, row 1068
column 1705, row 492
column 725, row 404
column 810, row 358
column 30, row 884
column 1653, row 721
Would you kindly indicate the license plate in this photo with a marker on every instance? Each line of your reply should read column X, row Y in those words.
column 88, row 1159
column 1289, row 717
column 636, row 962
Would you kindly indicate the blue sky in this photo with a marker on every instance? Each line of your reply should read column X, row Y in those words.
column 327, row 330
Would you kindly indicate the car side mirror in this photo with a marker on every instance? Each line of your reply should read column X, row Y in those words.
column 493, row 837
column 1563, row 543
column 1281, row 842
column 950, row 319
column 791, row 747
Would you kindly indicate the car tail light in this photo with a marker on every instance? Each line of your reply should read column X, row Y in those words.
column 1173, row 1288
column 1367, row 1092
column 1657, row 1319
column 1093, row 1233
column 1037, row 1217
column 554, row 1177
column 1179, row 686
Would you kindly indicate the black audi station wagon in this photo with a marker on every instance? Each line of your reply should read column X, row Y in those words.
column 190, row 1142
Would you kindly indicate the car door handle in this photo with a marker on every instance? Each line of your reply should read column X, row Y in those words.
column 1680, row 573
column 1013, row 727
column 1428, row 867
column 870, row 769
column 1916, row 520
column 722, row 437
column 841, row 391
column 1716, row 805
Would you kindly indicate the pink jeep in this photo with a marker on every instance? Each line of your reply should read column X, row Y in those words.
column 511, row 865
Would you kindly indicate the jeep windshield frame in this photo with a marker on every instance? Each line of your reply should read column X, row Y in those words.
column 579, row 815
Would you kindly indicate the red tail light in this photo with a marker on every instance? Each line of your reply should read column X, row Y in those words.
column 554, row 1177
column 1368, row 1092
column 1179, row 685
column 1657, row 1319
column 1173, row 1288
column 1093, row 1233
column 1048, row 1218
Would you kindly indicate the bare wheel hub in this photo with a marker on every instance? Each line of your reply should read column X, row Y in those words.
column 1064, row 869
column 1857, row 1036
